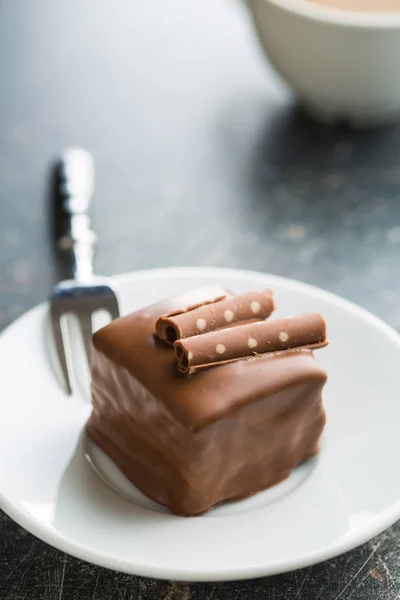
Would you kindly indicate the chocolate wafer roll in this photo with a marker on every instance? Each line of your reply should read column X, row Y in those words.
column 215, row 314
column 236, row 343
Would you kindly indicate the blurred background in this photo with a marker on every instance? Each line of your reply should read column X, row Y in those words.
column 202, row 156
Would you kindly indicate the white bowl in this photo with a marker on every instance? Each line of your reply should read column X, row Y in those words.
column 343, row 65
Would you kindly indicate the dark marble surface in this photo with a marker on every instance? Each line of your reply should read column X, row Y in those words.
column 202, row 159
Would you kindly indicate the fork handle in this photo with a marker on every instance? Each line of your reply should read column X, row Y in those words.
column 76, row 183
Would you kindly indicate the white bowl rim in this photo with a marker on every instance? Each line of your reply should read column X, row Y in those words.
column 340, row 17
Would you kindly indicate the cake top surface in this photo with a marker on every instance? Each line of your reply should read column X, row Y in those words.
column 208, row 395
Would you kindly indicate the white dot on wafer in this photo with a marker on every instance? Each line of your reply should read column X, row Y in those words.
column 255, row 307
column 201, row 324
column 228, row 315
column 190, row 355
column 220, row 349
column 283, row 336
column 252, row 343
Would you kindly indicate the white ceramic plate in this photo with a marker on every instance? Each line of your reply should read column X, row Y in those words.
column 350, row 493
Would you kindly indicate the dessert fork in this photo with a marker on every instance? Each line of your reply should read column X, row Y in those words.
column 84, row 293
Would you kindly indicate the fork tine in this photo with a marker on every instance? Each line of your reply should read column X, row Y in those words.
column 85, row 322
column 113, row 308
column 60, row 344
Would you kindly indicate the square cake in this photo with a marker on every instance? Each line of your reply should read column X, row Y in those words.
column 191, row 441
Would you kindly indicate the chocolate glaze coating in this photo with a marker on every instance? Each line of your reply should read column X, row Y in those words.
column 193, row 442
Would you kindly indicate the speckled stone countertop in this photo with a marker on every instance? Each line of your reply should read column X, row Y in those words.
column 202, row 159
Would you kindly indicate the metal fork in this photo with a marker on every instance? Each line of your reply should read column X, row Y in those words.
column 84, row 293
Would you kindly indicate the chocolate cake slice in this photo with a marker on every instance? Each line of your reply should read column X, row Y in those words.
column 191, row 441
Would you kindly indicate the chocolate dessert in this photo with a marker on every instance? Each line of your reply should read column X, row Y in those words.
column 202, row 398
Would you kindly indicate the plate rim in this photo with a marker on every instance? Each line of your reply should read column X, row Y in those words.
column 54, row 538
